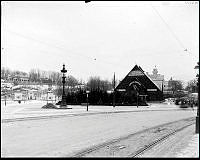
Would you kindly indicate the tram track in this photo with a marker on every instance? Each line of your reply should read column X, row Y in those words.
column 135, row 144
column 156, row 142
column 7, row 120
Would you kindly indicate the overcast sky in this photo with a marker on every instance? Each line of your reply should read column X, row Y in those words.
column 100, row 38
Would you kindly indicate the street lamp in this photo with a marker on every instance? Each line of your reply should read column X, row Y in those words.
column 87, row 92
column 197, row 117
column 64, row 97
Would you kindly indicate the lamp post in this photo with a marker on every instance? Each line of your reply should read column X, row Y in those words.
column 64, row 97
column 197, row 117
column 87, row 92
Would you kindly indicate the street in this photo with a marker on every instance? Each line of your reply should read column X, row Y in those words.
column 64, row 136
column 100, row 79
column 175, row 145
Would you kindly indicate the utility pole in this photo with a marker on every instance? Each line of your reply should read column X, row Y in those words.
column 5, row 99
column 137, row 99
column 5, row 92
column 114, row 91
column 197, row 117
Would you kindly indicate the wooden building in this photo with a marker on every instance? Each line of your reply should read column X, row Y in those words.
column 137, row 86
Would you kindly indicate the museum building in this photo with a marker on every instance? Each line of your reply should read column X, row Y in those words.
column 138, row 86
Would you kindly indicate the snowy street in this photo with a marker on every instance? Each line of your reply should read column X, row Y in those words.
column 100, row 79
column 67, row 135
column 177, row 145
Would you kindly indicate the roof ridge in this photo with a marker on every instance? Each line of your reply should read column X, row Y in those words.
column 152, row 81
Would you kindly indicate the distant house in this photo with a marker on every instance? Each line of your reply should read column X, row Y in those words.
column 18, row 78
column 33, row 94
column 26, row 93
column 158, row 79
column 20, row 94
column 48, row 96
column 5, row 84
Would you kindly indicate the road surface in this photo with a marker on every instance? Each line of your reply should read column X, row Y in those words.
column 64, row 136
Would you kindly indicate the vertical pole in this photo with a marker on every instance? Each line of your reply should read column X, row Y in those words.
column 47, row 97
column 137, row 100
column 63, row 84
column 63, row 101
column 87, row 102
column 197, row 117
column 114, row 91
column 5, row 99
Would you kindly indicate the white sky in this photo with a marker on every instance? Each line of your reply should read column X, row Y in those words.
column 118, row 35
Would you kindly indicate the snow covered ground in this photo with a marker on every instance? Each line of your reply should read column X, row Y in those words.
column 33, row 109
column 64, row 136
column 182, row 144
column 192, row 148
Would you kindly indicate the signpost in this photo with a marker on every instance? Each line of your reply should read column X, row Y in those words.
column 87, row 92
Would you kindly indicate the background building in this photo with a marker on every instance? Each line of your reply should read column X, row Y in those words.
column 158, row 79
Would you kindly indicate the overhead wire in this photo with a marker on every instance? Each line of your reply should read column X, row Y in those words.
column 119, row 65
column 170, row 29
column 72, row 54
column 46, row 43
column 94, row 58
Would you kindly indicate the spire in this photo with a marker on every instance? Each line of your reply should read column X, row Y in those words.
column 155, row 71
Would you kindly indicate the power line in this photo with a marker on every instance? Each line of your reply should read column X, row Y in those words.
column 69, row 51
column 169, row 28
column 45, row 43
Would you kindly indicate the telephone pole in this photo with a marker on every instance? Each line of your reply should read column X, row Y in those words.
column 114, row 91
column 197, row 117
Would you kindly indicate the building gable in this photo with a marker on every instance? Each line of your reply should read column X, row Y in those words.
column 137, row 74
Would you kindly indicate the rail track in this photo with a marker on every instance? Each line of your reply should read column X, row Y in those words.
column 149, row 146
column 71, row 115
column 137, row 143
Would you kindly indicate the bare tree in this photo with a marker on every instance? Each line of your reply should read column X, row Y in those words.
column 192, row 86
column 33, row 75
column 95, row 83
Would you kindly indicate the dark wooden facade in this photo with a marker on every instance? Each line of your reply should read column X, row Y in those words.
column 135, row 85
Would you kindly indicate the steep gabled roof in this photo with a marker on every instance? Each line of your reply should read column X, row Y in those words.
column 137, row 74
